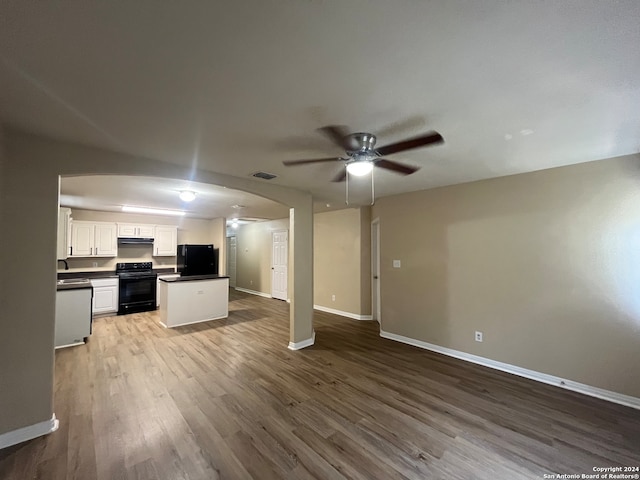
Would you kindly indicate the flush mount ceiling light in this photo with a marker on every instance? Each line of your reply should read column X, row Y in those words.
column 152, row 211
column 234, row 224
column 187, row 196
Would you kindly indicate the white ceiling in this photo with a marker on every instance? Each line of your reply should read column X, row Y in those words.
column 236, row 87
column 111, row 192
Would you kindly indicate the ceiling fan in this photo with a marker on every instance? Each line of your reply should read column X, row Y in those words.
column 361, row 155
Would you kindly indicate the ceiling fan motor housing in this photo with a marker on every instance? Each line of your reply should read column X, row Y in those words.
column 363, row 142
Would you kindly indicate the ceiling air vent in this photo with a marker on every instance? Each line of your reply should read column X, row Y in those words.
column 264, row 175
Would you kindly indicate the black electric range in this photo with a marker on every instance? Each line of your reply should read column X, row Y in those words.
column 137, row 291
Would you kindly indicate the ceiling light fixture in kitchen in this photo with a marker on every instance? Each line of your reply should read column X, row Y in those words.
column 187, row 196
column 152, row 211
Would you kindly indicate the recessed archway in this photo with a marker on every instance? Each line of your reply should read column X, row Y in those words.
column 29, row 197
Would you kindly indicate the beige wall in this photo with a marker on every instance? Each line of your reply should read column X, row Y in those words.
column 28, row 221
column 545, row 264
column 190, row 230
column 341, row 256
column 217, row 232
column 253, row 257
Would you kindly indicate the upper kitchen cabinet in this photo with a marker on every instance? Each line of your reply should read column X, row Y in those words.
column 165, row 242
column 130, row 230
column 93, row 239
column 64, row 237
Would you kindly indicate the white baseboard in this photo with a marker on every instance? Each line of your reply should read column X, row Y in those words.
column 355, row 316
column 27, row 433
column 601, row 393
column 253, row 292
column 193, row 322
column 304, row 343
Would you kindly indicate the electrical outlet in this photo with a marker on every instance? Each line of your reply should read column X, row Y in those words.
column 250, row 282
column 478, row 336
column 396, row 264
column 333, row 298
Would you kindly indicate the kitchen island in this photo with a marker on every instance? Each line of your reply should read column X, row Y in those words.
column 193, row 299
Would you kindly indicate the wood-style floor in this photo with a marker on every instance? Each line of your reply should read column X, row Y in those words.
column 227, row 399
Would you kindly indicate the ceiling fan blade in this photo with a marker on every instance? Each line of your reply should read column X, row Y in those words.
column 341, row 176
column 395, row 166
column 290, row 163
column 338, row 134
column 416, row 142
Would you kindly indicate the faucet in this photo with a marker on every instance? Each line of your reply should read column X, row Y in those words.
column 66, row 265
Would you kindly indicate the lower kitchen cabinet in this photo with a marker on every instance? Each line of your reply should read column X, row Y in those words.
column 105, row 295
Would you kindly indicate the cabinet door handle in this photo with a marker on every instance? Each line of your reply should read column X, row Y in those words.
column 91, row 251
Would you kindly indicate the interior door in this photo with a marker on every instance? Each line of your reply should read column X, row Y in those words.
column 231, row 260
column 375, row 270
column 279, row 264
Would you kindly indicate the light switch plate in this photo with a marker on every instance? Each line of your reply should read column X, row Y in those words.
column 396, row 264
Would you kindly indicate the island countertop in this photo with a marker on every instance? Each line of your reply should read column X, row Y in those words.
column 191, row 278
column 73, row 284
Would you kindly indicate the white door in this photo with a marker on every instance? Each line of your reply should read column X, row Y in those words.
column 231, row 260
column 279, row 259
column 375, row 270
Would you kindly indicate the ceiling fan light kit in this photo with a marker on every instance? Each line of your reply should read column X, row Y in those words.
column 360, row 168
column 361, row 156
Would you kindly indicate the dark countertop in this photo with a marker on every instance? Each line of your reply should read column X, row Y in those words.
column 104, row 273
column 192, row 278
column 74, row 284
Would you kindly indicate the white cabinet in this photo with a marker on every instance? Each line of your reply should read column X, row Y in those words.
column 163, row 275
column 93, row 239
column 130, row 230
column 165, row 241
column 105, row 295
column 64, row 219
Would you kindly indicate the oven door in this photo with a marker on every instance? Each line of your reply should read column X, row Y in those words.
column 137, row 294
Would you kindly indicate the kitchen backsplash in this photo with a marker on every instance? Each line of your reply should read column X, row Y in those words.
column 126, row 253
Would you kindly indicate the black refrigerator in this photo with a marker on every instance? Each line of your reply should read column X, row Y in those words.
column 197, row 260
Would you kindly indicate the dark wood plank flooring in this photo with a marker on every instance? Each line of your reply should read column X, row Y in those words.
column 227, row 399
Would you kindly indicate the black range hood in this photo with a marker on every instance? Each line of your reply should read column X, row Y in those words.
column 135, row 241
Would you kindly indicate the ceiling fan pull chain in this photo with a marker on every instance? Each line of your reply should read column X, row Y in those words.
column 373, row 192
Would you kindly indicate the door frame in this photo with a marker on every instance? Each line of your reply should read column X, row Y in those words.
column 235, row 261
column 286, row 257
column 375, row 270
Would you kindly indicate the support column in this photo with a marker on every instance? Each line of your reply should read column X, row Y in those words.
column 301, row 333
